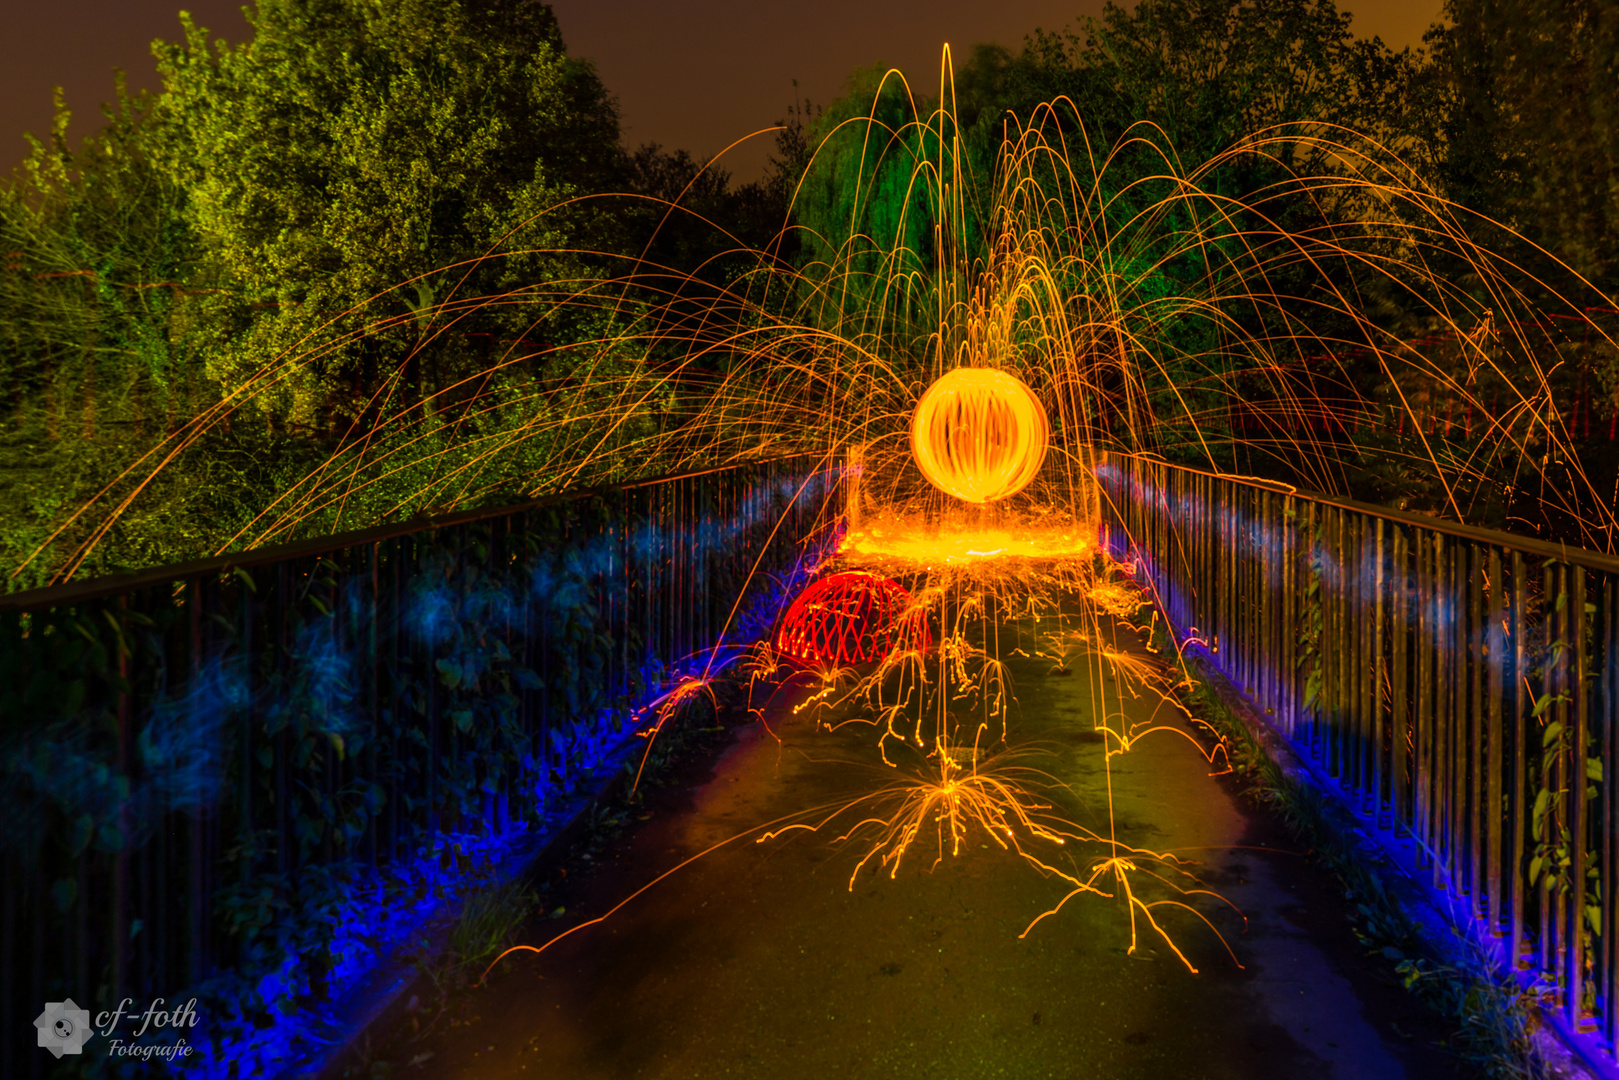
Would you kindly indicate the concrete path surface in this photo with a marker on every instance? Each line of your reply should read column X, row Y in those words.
column 758, row 960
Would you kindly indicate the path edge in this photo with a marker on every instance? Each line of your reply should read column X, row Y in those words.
column 380, row 1004
column 1558, row 1052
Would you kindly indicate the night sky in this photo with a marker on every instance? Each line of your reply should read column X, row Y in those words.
column 693, row 75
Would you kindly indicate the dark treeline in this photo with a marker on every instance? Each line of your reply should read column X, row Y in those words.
column 344, row 169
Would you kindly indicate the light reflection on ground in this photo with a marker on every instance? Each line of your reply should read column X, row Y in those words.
column 760, row 960
column 903, row 541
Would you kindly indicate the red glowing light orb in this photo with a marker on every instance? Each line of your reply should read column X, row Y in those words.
column 979, row 434
column 855, row 617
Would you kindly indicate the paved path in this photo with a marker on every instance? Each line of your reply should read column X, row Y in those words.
column 759, row 961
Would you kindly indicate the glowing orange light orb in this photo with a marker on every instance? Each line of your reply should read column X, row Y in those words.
column 855, row 617
column 979, row 434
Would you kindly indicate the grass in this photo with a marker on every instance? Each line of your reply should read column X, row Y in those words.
column 489, row 921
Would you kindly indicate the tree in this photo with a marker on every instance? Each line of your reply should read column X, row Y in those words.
column 890, row 209
column 1528, row 125
column 353, row 149
column 107, row 310
column 247, row 215
column 1213, row 72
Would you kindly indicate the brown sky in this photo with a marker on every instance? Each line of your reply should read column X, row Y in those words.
column 695, row 74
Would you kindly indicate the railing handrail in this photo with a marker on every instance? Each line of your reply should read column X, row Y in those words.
column 97, row 588
column 1573, row 556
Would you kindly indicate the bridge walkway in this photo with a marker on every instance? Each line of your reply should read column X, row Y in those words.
column 760, row 960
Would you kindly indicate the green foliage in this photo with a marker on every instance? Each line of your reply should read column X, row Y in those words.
column 357, row 754
column 1561, row 772
column 695, row 222
column 1189, row 88
column 182, row 300
column 872, row 208
column 345, row 163
column 488, row 920
column 106, row 315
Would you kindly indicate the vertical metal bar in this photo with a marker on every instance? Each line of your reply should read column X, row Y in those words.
column 679, row 527
column 1400, row 688
column 126, row 743
column 1476, row 663
column 1227, row 569
column 1344, row 677
column 1209, row 586
column 1607, row 643
column 1550, row 774
column 1287, row 565
column 199, row 595
column 1335, row 596
column 1573, row 620
column 1427, row 646
column 1219, row 632
column 1376, row 672
column 1196, row 520
column 1270, row 602
column 1518, row 897
column 1327, row 649
column 1444, row 711
column 1309, row 608
column 1250, row 568
column 1494, row 815
column 427, row 672
column 1242, row 603
column 1364, row 667
column 1345, row 661
column 398, row 682
column 1238, row 645
column 372, row 683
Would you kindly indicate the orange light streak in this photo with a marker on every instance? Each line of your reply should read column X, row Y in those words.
column 987, row 796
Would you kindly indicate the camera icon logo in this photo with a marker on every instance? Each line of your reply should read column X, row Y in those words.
column 64, row 1028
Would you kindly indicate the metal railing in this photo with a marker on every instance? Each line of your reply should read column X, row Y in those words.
column 1461, row 685
column 186, row 752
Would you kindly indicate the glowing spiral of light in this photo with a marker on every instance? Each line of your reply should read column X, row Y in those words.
column 979, row 434
column 855, row 617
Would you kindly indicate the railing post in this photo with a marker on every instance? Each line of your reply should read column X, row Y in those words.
column 1518, row 899
column 1495, row 661
column 1606, row 722
column 1401, row 804
column 1475, row 731
column 1573, row 625
column 1377, row 672
column 1551, row 775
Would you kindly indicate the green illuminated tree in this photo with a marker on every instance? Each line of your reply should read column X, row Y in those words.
column 351, row 148
column 107, row 311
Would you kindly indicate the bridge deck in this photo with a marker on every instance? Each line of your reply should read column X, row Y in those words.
column 759, row 960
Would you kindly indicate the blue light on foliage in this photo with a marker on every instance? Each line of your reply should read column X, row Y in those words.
column 381, row 915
